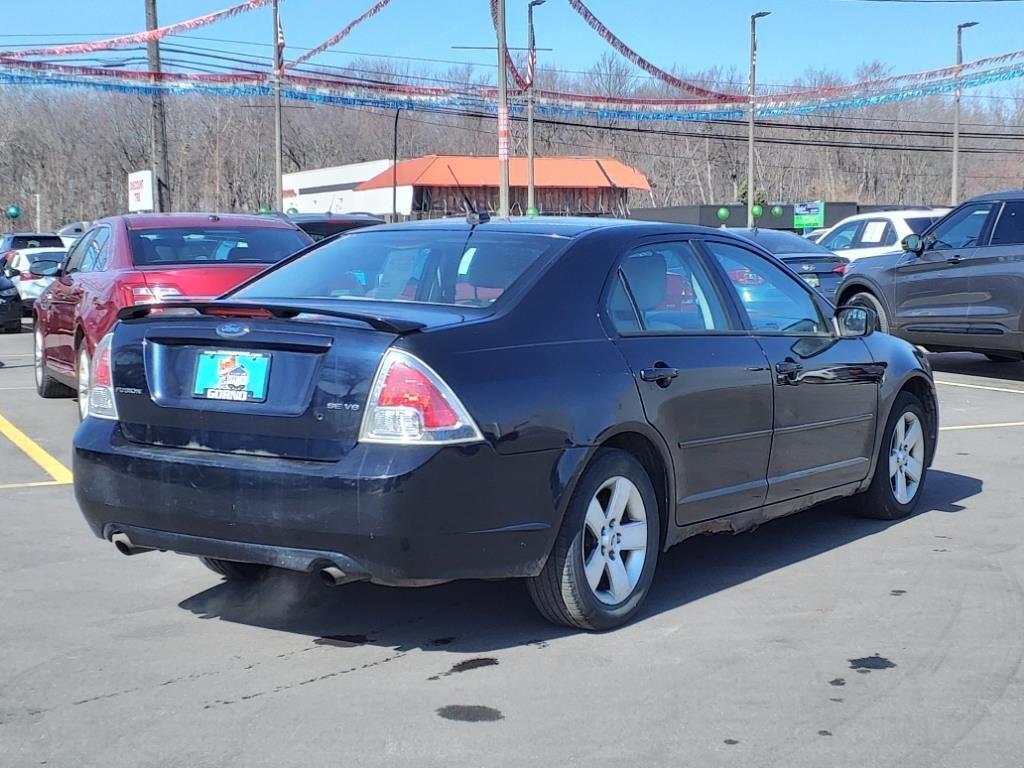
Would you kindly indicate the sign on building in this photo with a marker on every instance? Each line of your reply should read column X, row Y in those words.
column 809, row 215
column 140, row 191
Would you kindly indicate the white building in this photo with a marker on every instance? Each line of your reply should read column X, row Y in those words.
column 333, row 190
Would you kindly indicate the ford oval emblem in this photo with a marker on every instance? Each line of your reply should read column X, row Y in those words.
column 232, row 330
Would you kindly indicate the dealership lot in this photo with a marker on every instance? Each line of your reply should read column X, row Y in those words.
column 818, row 639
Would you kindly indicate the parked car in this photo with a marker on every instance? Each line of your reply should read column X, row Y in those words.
column 19, row 264
column 11, row 241
column 565, row 427
column 10, row 306
column 123, row 261
column 817, row 266
column 872, row 234
column 960, row 286
column 323, row 225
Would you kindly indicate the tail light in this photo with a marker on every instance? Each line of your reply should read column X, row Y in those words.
column 152, row 294
column 744, row 276
column 101, row 384
column 410, row 404
column 28, row 276
column 840, row 269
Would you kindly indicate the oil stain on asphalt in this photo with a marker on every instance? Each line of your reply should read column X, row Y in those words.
column 467, row 666
column 470, row 713
column 837, row 682
column 869, row 663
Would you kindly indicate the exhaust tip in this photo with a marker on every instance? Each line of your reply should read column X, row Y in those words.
column 332, row 576
column 124, row 545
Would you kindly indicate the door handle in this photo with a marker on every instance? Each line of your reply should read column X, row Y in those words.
column 788, row 371
column 660, row 374
column 956, row 258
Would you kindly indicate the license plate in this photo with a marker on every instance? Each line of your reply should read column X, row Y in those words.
column 811, row 280
column 237, row 376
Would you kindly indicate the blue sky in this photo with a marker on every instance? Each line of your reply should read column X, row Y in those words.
column 800, row 34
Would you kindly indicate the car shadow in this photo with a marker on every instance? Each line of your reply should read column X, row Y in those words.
column 968, row 364
column 480, row 616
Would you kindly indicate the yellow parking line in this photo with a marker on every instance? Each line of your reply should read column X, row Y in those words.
column 42, row 484
column 997, row 425
column 60, row 474
column 980, row 386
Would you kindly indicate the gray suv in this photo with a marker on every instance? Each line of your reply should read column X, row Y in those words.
column 959, row 286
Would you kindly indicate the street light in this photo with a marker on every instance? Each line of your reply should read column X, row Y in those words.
column 954, row 196
column 750, row 136
column 531, row 203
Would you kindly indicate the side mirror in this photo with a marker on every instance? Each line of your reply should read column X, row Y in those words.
column 45, row 268
column 913, row 244
column 855, row 322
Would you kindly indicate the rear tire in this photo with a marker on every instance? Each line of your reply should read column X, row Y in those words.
column 47, row 386
column 869, row 300
column 13, row 327
column 234, row 571
column 601, row 565
column 905, row 450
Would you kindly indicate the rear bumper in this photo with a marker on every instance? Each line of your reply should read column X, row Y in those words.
column 388, row 514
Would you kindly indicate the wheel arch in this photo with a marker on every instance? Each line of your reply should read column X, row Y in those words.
column 848, row 290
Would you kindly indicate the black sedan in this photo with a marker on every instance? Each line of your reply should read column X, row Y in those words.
column 817, row 266
column 553, row 399
column 10, row 306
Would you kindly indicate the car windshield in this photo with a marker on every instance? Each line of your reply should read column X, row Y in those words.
column 919, row 224
column 218, row 245
column 426, row 266
column 776, row 241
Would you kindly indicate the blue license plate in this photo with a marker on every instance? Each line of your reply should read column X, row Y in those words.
column 238, row 376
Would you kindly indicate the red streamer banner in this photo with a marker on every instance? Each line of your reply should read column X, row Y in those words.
column 372, row 11
column 627, row 52
column 140, row 37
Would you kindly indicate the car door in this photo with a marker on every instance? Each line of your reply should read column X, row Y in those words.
column 96, row 308
column 825, row 387
column 703, row 380
column 932, row 291
column 995, row 279
column 59, row 331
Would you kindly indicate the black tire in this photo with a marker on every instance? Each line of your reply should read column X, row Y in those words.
column 561, row 591
column 869, row 300
column 1003, row 358
column 233, row 571
column 47, row 386
column 879, row 501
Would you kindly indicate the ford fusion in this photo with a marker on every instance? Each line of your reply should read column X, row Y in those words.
column 557, row 400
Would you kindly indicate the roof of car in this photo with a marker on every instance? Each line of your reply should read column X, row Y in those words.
column 160, row 220
column 903, row 213
column 307, row 218
column 1010, row 194
column 567, row 226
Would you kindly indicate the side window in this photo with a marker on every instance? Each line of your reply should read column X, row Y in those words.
column 97, row 252
column 77, row 254
column 774, row 300
column 670, row 289
column 963, row 228
column 876, row 233
column 842, row 238
column 1010, row 227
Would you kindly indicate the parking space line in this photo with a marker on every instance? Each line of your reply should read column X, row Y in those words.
column 996, row 425
column 40, row 484
column 980, row 386
column 61, row 475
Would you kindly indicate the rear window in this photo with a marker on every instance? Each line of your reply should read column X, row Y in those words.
column 36, row 241
column 920, row 223
column 425, row 266
column 218, row 245
column 775, row 241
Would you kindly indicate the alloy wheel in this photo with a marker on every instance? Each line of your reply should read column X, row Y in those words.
column 615, row 540
column 37, row 354
column 906, row 457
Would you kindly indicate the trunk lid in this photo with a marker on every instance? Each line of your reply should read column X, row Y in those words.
column 200, row 281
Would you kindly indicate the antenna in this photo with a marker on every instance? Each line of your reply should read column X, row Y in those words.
column 473, row 217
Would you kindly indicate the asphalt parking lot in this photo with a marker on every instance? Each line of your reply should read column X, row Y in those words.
column 819, row 639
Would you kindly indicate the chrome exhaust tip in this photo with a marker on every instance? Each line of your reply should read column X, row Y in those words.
column 332, row 576
column 125, row 547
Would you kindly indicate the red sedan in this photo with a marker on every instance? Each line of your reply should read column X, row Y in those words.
column 143, row 259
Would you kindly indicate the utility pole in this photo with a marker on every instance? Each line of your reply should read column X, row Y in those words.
column 161, row 174
column 39, row 212
column 531, row 202
column 954, row 195
column 503, row 203
column 753, row 109
column 278, row 138
column 394, row 171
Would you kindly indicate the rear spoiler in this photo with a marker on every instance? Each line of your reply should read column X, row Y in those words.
column 284, row 311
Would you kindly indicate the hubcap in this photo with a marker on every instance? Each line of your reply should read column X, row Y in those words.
column 83, row 382
column 615, row 540
column 906, row 458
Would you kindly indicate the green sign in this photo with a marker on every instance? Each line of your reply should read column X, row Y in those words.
column 809, row 215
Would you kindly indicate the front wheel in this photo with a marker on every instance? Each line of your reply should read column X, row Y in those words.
column 869, row 300
column 47, row 386
column 902, row 463
column 603, row 560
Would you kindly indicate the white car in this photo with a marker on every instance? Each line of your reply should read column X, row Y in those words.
column 29, row 286
column 872, row 234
